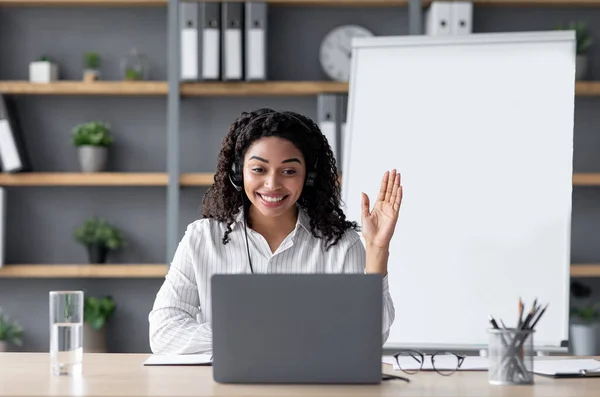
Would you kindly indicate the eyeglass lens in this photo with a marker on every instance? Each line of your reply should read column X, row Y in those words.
column 445, row 363
column 412, row 361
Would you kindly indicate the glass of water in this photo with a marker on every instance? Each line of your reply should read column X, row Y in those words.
column 66, row 332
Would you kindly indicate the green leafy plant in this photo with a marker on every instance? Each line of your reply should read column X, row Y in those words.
column 94, row 133
column 587, row 314
column 44, row 58
column 582, row 35
column 96, row 311
column 97, row 231
column 10, row 331
column 132, row 74
column 91, row 60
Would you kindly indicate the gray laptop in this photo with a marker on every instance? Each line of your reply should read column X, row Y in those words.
column 300, row 328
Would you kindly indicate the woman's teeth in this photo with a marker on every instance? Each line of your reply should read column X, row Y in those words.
column 272, row 199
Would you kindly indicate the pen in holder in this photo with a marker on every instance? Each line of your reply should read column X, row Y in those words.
column 510, row 356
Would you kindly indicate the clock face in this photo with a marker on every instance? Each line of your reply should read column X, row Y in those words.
column 336, row 50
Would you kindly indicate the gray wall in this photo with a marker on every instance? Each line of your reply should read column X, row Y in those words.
column 41, row 219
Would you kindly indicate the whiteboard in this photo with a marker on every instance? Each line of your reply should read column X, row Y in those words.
column 481, row 129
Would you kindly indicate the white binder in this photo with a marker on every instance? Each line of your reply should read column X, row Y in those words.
column 189, row 51
column 13, row 155
column 232, row 44
column 256, row 40
column 461, row 22
column 210, row 43
column 437, row 18
column 200, row 40
column 327, row 119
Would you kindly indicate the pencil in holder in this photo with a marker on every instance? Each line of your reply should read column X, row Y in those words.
column 510, row 355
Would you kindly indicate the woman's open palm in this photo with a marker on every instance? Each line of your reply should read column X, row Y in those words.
column 379, row 224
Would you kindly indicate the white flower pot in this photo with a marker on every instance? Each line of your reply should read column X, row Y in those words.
column 3, row 346
column 92, row 158
column 581, row 66
column 90, row 75
column 585, row 339
column 43, row 72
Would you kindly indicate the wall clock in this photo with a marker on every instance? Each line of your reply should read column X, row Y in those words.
column 336, row 50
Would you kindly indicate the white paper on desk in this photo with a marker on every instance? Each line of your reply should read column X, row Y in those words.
column 179, row 359
column 470, row 363
column 564, row 366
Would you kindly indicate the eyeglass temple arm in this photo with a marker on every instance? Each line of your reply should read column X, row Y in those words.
column 390, row 376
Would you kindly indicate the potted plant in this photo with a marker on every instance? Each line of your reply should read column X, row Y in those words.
column 10, row 332
column 135, row 66
column 584, row 42
column 585, row 324
column 99, row 237
column 44, row 70
column 92, row 140
column 96, row 312
column 91, row 61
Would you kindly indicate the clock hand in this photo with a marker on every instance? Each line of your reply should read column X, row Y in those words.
column 346, row 51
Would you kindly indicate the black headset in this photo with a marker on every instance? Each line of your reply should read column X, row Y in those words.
column 236, row 176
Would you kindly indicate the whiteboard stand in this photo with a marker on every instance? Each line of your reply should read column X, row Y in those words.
column 481, row 128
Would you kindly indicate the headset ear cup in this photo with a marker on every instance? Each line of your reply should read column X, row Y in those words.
column 310, row 179
column 236, row 177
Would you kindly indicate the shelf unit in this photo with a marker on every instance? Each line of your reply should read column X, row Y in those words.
column 174, row 90
column 84, row 271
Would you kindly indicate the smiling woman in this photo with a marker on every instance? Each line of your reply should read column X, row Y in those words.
column 275, row 202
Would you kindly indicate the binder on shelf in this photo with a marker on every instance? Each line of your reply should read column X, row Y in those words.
column 461, row 19
column 255, row 40
column 13, row 154
column 210, row 28
column 189, row 51
column 327, row 119
column 200, row 40
column 232, row 22
column 437, row 18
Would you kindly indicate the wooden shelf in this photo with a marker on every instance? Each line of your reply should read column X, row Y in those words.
column 157, row 179
column 158, row 271
column 102, row 179
column 287, row 88
column 64, row 87
column 95, row 3
column 197, row 179
column 162, row 3
column 586, row 179
column 84, row 271
column 585, row 270
column 535, row 3
column 83, row 179
column 153, row 88
column 587, row 88
column 314, row 3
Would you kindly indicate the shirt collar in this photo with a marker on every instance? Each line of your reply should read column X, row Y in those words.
column 303, row 219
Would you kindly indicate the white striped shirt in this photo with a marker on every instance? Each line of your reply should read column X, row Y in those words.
column 180, row 320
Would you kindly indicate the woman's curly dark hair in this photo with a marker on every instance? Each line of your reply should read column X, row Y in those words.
column 321, row 201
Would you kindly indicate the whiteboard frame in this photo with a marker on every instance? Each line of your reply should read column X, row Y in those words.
column 424, row 40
